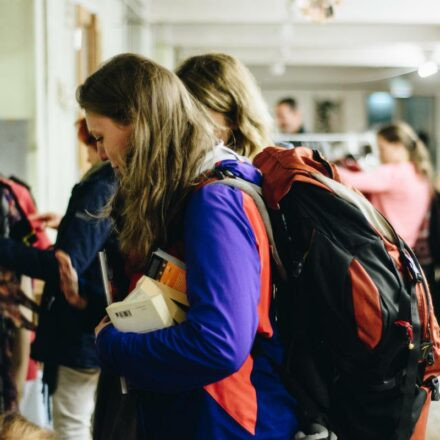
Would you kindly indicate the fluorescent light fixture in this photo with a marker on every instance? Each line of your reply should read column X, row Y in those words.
column 278, row 69
column 428, row 68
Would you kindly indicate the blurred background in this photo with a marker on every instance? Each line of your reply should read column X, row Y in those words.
column 349, row 64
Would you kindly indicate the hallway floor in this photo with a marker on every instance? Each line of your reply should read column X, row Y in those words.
column 433, row 431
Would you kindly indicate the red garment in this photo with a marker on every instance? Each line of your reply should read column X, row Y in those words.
column 27, row 204
column 33, row 365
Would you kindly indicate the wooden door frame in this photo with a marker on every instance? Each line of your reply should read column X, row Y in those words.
column 87, row 22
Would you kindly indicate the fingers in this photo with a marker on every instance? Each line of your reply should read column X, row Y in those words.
column 37, row 217
column 102, row 324
column 69, row 280
column 64, row 261
column 47, row 219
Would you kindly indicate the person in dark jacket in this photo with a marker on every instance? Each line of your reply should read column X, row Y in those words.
column 65, row 339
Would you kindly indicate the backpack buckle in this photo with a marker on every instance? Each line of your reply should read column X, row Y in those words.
column 29, row 239
column 223, row 174
column 413, row 270
column 434, row 384
column 427, row 353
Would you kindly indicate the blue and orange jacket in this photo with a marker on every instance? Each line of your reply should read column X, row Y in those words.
column 199, row 379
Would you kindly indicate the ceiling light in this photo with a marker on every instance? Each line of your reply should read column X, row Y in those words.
column 316, row 10
column 428, row 68
column 278, row 69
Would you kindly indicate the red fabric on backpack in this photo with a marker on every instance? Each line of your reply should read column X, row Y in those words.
column 282, row 167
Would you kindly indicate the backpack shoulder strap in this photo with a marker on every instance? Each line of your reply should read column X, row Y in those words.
column 255, row 192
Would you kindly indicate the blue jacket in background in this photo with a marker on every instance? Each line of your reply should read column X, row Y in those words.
column 65, row 335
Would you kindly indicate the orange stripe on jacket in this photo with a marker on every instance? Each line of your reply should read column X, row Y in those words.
column 236, row 393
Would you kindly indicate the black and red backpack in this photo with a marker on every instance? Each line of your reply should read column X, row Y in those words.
column 353, row 306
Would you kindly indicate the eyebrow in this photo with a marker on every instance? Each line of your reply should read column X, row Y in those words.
column 94, row 134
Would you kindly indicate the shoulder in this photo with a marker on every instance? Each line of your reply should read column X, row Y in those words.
column 104, row 175
column 99, row 184
column 219, row 210
column 405, row 172
column 214, row 197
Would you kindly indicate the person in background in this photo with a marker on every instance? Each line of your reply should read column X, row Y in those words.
column 289, row 116
column 196, row 379
column 52, row 219
column 226, row 88
column 64, row 338
column 400, row 188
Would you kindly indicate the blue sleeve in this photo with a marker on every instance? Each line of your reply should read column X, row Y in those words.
column 33, row 262
column 81, row 235
column 223, row 285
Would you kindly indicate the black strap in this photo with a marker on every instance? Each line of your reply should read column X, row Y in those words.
column 406, row 426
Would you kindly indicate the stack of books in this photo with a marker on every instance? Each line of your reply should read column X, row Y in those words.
column 159, row 299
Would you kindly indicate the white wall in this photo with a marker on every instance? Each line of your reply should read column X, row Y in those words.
column 55, row 162
column 16, row 59
column 37, row 85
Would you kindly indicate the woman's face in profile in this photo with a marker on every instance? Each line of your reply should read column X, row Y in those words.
column 111, row 138
column 391, row 152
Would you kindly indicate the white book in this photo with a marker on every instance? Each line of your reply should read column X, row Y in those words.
column 150, row 306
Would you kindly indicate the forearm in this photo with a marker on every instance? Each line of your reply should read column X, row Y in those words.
column 35, row 263
column 163, row 361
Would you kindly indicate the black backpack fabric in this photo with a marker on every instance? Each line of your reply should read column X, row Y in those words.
column 353, row 308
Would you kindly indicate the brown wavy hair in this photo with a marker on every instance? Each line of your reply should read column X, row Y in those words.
column 400, row 132
column 223, row 84
column 169, row 138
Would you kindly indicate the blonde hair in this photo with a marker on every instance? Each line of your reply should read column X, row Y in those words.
column 170, row 134
column 14, row 426
column 223, row 84
column 400, row 132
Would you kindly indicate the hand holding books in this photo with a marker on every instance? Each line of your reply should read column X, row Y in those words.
column 158, row 301
column 102, row 324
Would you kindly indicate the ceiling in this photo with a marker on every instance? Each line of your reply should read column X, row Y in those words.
column 365, row 45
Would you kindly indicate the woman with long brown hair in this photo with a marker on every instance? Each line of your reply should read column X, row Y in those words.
column 197, row 379
column 230, row 94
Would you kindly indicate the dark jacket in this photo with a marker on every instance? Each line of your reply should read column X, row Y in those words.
column 65, row 335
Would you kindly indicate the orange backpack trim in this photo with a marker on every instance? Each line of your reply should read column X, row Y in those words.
column 366, row 304
column 282, row 167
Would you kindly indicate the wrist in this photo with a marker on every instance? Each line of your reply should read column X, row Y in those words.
column 78, row 302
